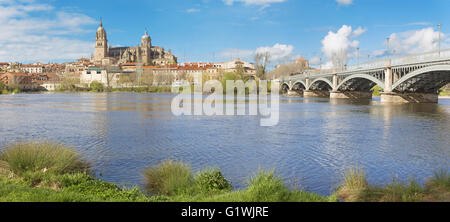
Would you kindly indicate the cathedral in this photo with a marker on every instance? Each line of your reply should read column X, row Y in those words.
column 145, row 54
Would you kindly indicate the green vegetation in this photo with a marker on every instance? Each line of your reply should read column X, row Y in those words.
column 8, row 89
column 168, row 178
column 377, row 90
column 356, row 189
column 44, row 171
column 96, row 87
column 69, row 85
column 52, row 172
column 23, row 158
column 212, row 180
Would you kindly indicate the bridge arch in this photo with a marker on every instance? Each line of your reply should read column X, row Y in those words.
column 315, row 82
column 285, row 87
column 442, row 70
column 299, row 82
column 361, row 76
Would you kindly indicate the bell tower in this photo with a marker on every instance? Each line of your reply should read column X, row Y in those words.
column 146, row 45
column 101, row 44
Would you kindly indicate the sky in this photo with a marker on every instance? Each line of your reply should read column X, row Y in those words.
column 218, row 30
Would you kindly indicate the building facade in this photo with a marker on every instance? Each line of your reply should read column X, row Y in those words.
column 145, row 53
column 16, row 79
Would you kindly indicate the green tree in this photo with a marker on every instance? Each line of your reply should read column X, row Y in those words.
column 97, row 86
column 68, row 84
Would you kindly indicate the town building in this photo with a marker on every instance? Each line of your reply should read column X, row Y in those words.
column 33, row 68
column 235, row 64
column 17, row 79
column 4, row 66
column 108, row 76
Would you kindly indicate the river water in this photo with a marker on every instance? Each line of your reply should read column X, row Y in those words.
column 315, row 141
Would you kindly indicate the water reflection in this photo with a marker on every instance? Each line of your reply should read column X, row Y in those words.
column 315, row 141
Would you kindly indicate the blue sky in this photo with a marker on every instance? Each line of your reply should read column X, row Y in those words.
column 216, row 30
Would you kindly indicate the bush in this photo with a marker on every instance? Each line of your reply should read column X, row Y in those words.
column 42, row 157
column 168, row 178
column 97, row 86
column 376, row 90
column 212, row 180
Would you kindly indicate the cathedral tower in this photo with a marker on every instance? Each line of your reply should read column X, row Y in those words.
column 101, row 44
column 146, row 45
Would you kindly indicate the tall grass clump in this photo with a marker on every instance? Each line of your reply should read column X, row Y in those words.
column 168, row 178
column 438, row 186
column 441, row 179
column 353, row 185
column 267, row 187
column 46, row 157
column 397, row 192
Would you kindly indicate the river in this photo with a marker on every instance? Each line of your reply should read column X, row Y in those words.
column 315, row 141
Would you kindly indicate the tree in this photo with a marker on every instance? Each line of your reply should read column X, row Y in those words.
column 97, row 86
column 240, row 71
column 69, row 84
column 261, row 62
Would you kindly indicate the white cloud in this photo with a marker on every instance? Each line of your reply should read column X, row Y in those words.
column 264, row 3
column 416, row 41
column 412, row 42
column 42, row 36
column 359, row 31
column 278, row 53
column 338, row 46
column 193, row 10
column 237, row 53
column 344, row 2
column 315, row 60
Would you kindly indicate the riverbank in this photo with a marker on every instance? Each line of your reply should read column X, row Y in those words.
column 35, row 172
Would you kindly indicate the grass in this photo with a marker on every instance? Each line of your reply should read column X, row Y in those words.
column 263, row 187
column 22, row 158
column 168, row 178
column 355, row 188
column 44, row 171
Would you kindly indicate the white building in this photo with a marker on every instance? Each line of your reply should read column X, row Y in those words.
column 101, row 75
column 33, row 68
column 232, row 65
column 51, row 86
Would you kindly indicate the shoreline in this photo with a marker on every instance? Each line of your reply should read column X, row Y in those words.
column 67, row 177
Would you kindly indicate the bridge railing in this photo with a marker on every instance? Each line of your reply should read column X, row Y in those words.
column 398, row 61
column 423, row 57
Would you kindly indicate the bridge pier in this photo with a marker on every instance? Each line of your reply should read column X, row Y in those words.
column 392, row 97
column 293, row 93
column 350, row 95
column 311, row 93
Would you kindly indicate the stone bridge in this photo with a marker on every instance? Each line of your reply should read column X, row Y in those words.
column 413, row 78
